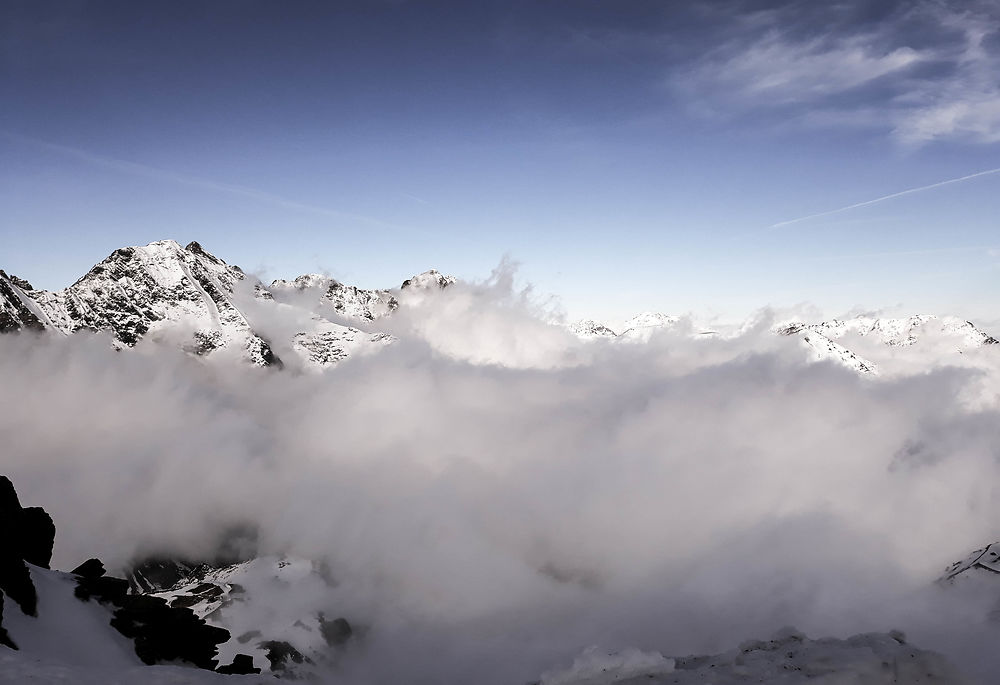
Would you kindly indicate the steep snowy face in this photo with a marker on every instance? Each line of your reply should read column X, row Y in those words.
column 344, row 300
column 159, row 289
column 17, row 310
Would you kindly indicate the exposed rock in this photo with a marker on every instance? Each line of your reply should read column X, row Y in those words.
column 26, row 536
column 91, row 568
column 38, row 534
column 162, row 633
column 15, row 309
column 4, row 637
column 242, row 665
column 280, row 653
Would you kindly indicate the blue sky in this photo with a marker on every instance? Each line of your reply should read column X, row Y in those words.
column 630, row 155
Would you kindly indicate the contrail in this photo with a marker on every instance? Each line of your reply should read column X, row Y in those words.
column 146, row 171
column 886, row 197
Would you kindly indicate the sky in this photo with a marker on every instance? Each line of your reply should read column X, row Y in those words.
column 711, row 157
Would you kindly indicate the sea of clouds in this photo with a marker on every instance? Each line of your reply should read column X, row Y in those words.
column 493, row 495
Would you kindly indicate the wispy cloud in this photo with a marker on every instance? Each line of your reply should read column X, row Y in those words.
column 925, row 71
column 901, row 193
column 166, row 175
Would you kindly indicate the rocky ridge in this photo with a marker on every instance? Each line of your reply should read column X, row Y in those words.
column 189, row 297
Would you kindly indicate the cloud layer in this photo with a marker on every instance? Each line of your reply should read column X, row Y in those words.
column 493, row 496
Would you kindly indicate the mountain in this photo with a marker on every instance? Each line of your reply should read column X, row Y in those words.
column 839, row 340
column 150, row 290
column 342, row 300
column 591, row 330
column 189, row 297
column 827, row 339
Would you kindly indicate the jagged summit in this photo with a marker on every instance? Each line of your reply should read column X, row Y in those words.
column 428, row 279
column 148, row 290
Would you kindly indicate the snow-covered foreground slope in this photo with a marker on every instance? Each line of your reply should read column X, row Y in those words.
column 71, row 641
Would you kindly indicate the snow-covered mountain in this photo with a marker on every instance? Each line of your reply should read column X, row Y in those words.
column 832, row 339
column 189, row 297
column 151, row 291
column 192, row 299
column 836, row 339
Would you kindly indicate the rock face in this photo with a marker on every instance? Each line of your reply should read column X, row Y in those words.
column 17, row 311
column 26, row 537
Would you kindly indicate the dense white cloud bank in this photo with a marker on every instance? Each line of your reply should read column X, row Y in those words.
column 493, row 495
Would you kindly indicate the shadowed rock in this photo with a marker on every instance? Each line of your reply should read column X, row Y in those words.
column 26, row 535
column 4, row 637
column 242, row 665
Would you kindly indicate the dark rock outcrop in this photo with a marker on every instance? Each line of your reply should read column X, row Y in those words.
column 160, row 632
column 4, row 637
column 26, row 537
column 163, row 633
column 242, row 665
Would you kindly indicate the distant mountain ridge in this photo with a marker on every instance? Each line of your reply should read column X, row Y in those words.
column 195, row 300
column 165, row 290
column 824, row 339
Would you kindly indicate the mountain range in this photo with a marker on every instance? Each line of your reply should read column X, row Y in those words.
column 192, row 299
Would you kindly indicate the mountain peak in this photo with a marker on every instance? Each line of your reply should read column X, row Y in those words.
column 428, row 279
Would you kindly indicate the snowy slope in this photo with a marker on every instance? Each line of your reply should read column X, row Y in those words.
column 72, row 641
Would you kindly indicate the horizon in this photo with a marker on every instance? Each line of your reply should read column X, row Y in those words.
column 841, row 156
